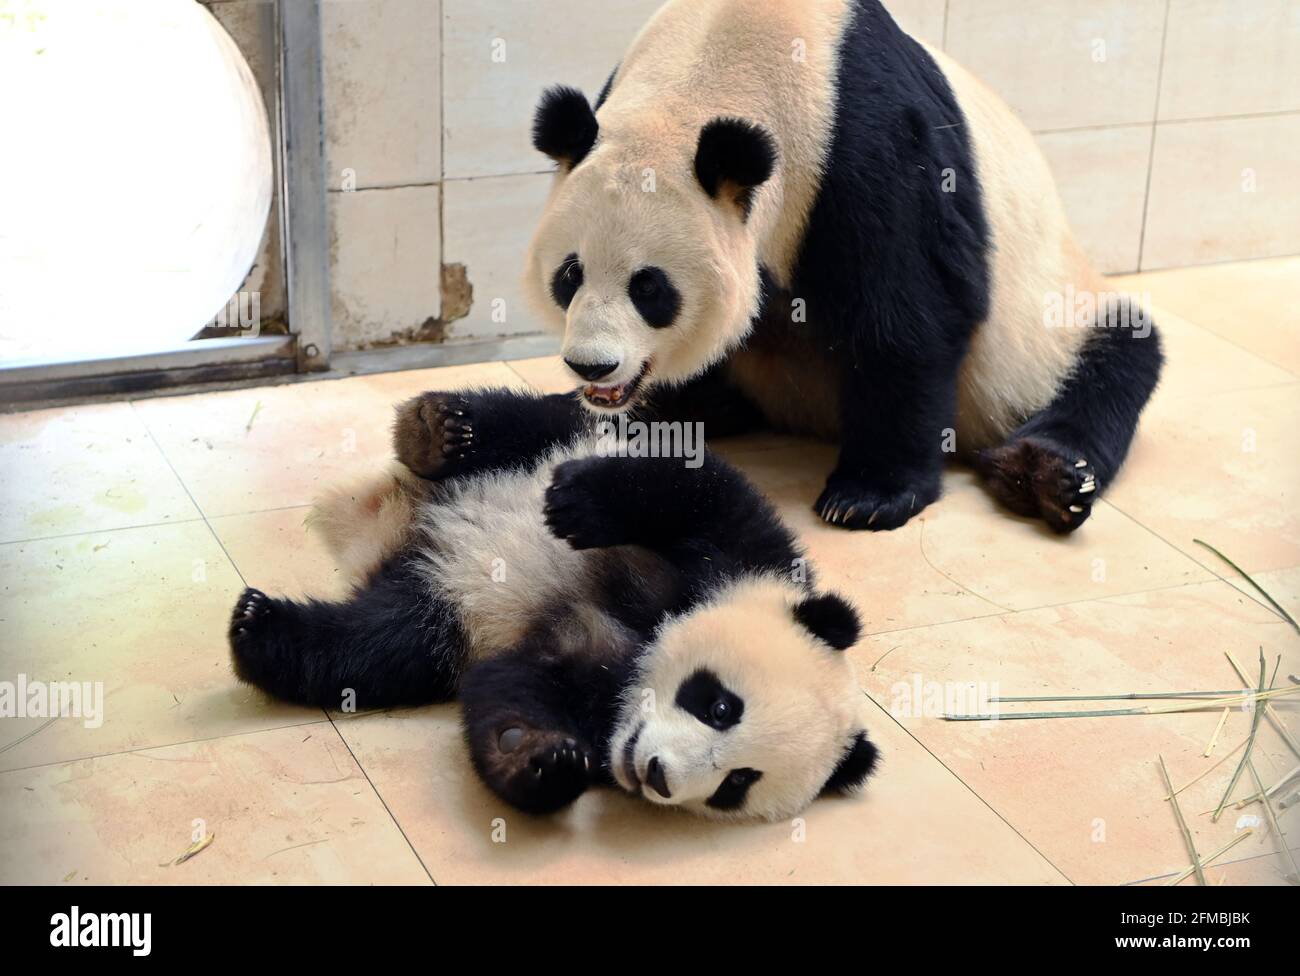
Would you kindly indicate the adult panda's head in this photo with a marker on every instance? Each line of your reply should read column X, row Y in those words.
column 645, row 258
column 746, row 707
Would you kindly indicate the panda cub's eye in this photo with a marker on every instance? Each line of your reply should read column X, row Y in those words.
column 644, row 285
column 654, row 296
column 705, row 696
column 720, row 712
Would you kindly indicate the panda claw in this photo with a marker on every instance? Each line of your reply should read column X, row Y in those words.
column 1081, row 463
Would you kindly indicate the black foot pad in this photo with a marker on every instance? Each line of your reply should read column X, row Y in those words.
column 1040, row 478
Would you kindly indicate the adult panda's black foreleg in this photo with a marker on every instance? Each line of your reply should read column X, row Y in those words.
column 1056, row 464
column 896, row 409
column 446, row 434
column 391, row 643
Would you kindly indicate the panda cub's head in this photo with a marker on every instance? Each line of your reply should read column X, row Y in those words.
column 746, row 707
column 643, row 257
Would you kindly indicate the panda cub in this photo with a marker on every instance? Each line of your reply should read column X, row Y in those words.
column 789, row 213
column 603, row 620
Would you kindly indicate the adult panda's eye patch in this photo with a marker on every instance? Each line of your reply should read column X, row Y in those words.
column 731, row 792
column 654, row 296
column 566, row 281
column 705, row 696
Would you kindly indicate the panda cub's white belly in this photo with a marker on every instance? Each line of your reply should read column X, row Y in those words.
column 491, row 555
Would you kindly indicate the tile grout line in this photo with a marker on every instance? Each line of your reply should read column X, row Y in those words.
column 992, row 809
column 1151, row 150
column 1191, row 120
column 391, row 816
column 162, row 745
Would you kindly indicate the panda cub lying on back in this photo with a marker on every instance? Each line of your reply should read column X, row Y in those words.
column 602, row 619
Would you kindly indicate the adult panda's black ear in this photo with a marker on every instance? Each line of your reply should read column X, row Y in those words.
column 830, row 618
column 855, row 766
column 564, row 126
column 732, row 159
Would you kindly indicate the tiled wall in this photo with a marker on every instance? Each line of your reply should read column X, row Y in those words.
column 1173, row 127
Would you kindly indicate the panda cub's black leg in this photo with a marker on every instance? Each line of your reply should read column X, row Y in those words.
column 391, row 643
column 525, row 738
column 1056, row 464
column 442, row 435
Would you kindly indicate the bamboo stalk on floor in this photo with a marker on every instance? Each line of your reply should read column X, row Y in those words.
column 1200, row 776
column 1196, row 706
column 1250, row 744
column 1271, row 790
column 1277, row 830
column 1271, row 712
column 1247, row 577
column 1182, row 824
column 1205, row 861
column 1130, row 696
column 1209, row 747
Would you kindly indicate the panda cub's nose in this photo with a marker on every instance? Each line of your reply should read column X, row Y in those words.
column 654, row 777
column 591, row 371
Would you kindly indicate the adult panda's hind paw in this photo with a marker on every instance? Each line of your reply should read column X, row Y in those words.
column 1041, row 478
column 433, row 434
column 850, row 503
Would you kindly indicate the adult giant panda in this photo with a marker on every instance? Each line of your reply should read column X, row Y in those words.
column 603, row 619
column 791, row 211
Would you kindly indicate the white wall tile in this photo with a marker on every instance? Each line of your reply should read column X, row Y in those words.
column 382, row 94
column 1102, row 176
column 1231, row 57
column 487, row 225
column 385, row 265
column 923, row 19
column 1043, row 57
column 1203, row 208
column 501, row 54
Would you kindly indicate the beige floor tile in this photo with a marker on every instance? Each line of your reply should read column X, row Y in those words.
column 546, row 373
column 417, row 761
column 142, row 611
column 83, row 469
column 305, row 436
column 1086, row 792
column 1282, row 585
column 284, row 806
column 887, row 574
column 275, row 552
column 1251, row 304
column 1222, row 468
column 1018, row 563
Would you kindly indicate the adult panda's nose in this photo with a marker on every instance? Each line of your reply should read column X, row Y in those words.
column 655, row 779
column 591, row 371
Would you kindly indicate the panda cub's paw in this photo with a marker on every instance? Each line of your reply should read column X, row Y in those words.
column 249, row 623
column 540, row 771
column 579, row 505
column 851, row 503
column 1040, row 478
column 433, row 434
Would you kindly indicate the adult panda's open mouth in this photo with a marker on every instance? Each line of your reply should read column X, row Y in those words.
column 618, row 396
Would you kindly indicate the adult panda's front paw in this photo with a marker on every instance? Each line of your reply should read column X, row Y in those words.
column 433, row 434
column 853, row 503
column 578, row 506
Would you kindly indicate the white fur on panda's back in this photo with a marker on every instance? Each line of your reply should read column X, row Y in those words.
column 490, row 554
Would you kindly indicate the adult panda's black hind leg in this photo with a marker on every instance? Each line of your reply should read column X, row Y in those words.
column 1056, row 464
column 391, row 643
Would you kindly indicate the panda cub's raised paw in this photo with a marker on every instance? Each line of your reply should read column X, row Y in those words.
column 540, row 771
column 577, row 507
column 1039, row 478
column 433, row 434
column 247, row 632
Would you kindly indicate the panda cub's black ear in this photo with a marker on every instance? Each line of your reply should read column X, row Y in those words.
column 856, row 765
column 830, row 618
column 564, row 126
column 734, row 157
